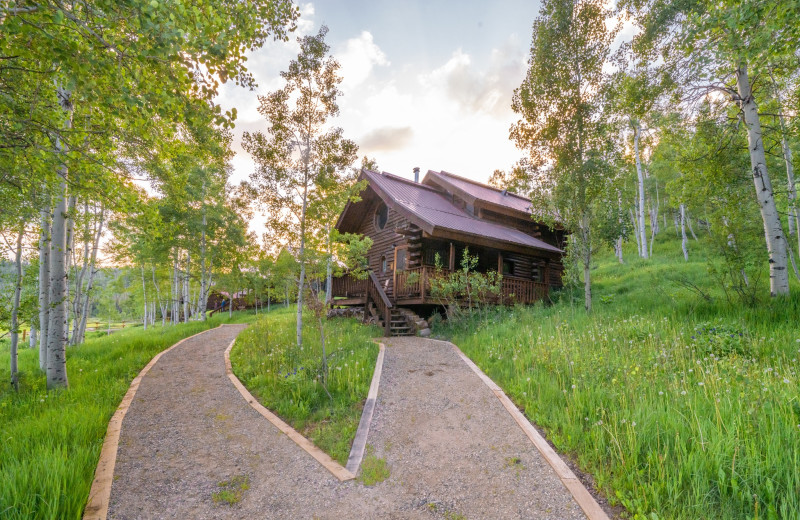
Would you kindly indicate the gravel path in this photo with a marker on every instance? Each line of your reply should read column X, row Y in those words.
column 451, row 447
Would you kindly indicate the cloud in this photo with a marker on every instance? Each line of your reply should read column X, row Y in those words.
column 358, row 57
column 386, row 139
column 488, row 90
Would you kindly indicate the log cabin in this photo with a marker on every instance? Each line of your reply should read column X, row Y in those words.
column 413, row 223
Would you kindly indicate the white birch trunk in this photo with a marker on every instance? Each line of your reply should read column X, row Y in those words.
column 641, row 205
column 15, row 309
column 44, row 286
column 636, row 231
column 677, row 227
column 175, row 318
column 57, row 324
column 92, row 272
column 691, row 229
column 684, row 240
column 794, row 216
column 773, row 230
column 32, row 339
column 587, row 262
column 302, row 259
column 70, row 257
column 144, row 296
column 186, row 289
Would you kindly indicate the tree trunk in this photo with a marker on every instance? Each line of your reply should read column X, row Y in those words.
column 144, row 296
column 77, row 298
column 92, row 272
column 637, row 130
column 203, row 286
column 15, row 308
column 633, row 214
column 684, row 240
column 302, row 278
column 70, row 257
column 794, row 215
column 587, row 263
column 186, row 288
column 691, row 229
column 44, row 286
column 773, row 229
column 57, row 325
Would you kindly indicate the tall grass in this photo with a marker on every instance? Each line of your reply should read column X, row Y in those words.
column 50, row 440
column 286, row 379
column 679, row 407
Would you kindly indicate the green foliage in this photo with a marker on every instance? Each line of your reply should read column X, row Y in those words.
column 563, row 128
column 52, row 439
column 288, row 380
column 677, row 406
column 465, row 292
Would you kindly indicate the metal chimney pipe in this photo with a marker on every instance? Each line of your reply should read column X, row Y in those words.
column 416, row 174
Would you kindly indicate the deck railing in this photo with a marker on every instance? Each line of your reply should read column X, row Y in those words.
column 381, row 301
column 416, row 283
column 347, row 286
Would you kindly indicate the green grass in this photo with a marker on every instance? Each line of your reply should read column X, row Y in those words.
column 679, row 407
column 285, row 379
column 50, row 440
column 231, row 491
column 373, row 469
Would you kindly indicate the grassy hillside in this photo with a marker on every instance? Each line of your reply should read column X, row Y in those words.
column 51, row 440
column 681, row 407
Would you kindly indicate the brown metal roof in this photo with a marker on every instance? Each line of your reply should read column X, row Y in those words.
column 429, row 205
column 480, row 192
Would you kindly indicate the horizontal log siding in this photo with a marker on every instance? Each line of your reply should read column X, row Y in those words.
column 382, row 241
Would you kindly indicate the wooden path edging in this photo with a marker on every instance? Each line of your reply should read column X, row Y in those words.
column 360, row 442
column 100, row 492
column 585, row 500
column 323, row 458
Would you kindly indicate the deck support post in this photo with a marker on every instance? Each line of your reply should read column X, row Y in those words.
column 452, row 264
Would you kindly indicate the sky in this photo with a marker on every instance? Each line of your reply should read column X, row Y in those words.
column 425, row 83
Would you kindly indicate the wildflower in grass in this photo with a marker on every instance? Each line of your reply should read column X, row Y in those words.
column 700, row 383
column 660, row 392
column 683, row 392
column 785, row 380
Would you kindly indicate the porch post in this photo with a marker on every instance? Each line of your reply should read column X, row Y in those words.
column 452, row 265
column 500, row 263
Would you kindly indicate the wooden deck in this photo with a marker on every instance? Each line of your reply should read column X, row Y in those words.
column 413, row 287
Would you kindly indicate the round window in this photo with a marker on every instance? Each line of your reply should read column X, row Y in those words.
column 381, row 216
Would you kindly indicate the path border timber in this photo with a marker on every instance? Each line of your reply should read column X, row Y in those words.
column 100, row 492
column 327, row 462
column 585, row 500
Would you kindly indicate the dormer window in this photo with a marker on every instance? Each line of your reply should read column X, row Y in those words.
column 381, row 216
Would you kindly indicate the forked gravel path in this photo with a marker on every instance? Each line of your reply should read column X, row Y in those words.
column 453, row 450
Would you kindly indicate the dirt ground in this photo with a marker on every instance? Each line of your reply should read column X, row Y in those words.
column 451, row 448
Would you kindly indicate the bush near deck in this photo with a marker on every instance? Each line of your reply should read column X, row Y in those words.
column 679, row 408
column 285, row 379
column 50, row 440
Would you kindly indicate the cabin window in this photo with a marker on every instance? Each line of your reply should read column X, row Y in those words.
column 383, row 264
column 400, row 265
column 434, row 248
column 381, row 216
column 508, row 268
column 536, row 273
